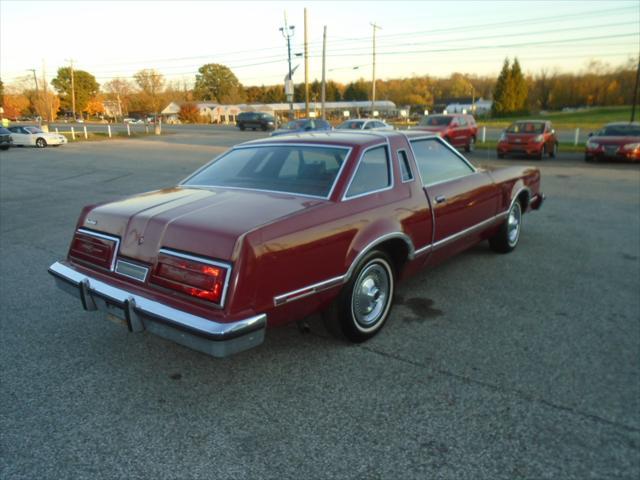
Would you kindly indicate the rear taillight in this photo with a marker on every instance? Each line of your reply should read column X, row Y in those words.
column 199, row 279
column 94, row 248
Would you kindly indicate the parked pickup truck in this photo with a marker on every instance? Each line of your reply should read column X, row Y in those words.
column 279, row 228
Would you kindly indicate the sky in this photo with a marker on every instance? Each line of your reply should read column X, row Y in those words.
column 436, row 38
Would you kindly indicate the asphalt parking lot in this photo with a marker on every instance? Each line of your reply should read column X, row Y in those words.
column 524, row 365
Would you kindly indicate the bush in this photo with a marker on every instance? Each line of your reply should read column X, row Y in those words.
column 189, row 113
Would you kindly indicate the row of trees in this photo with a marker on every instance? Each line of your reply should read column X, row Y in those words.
column 148, row 91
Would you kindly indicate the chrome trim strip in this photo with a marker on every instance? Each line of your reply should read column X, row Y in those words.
column 377, row 241
column 387, row 146
column 332, row 282
column 466, row 231
column 422, row 250
column 105, row 237
column 279, row 144
column 515, row 197
column 194, row 258
column 140, row 313
column 307, row 291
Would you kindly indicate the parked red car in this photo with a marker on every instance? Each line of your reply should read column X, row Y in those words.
column 534, row 138
column 615, row 141
column 280, row 228
column 460, row 130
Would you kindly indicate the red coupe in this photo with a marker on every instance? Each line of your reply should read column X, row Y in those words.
column 616, row 141
column 534, row 138
column 280, row 228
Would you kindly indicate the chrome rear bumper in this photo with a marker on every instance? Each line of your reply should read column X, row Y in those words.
column 140, row 313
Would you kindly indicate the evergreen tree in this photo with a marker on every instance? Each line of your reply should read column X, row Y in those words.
column 501, row 91
column 519, row 88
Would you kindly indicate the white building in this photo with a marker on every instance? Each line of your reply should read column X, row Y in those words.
column 480, row 107
column 212, row 112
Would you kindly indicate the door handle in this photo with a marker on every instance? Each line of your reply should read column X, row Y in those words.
column 440, row 198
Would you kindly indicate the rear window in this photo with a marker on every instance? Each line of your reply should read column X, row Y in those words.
column 526, row 127
column 621, row 131
column 435, row 120
column 304, row 170
column 351, row 125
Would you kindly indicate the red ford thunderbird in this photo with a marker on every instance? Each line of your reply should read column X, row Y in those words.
column 277, row 229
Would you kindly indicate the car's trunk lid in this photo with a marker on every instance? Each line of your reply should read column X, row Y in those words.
column 204, row 222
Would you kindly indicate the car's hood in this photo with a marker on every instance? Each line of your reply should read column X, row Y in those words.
column 431, row 128
column 205, row 222
column 611, row 140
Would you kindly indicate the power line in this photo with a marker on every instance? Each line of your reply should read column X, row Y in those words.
column 464, row 28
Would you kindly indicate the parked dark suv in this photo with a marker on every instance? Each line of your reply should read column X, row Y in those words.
column 255, row 120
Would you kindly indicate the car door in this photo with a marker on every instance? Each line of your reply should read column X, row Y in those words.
column 19, row 135
column 464, row 200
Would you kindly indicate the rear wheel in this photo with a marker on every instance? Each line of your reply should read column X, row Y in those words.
column 506, row 239
column 363, row 306
column 241, row 127
column 41, row 143
column 4, row 147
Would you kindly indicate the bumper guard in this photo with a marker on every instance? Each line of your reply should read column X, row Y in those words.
column 140, row 313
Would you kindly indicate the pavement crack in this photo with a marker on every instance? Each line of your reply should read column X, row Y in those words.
column 521, row 394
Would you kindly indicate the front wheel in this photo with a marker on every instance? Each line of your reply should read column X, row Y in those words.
column 363, row 306
column 506, row 239
column 471, row 146
column 554, row 151
column 41, row 143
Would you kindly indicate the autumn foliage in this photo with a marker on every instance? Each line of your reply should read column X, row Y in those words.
column 189, row 113
column 15, row 105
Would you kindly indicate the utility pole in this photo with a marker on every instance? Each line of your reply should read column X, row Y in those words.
column 46, row 104
column 35, row 79
column 323, row 93
column 73, row 91
column 373, row 84
column 306, row 67
column 635, row 93
column 287, row 32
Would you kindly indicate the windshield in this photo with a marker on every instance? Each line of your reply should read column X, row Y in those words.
column 435, row 120
column 526, row 127
column 33, row 130
column 296, row 125
column 297, row 169
column 351, row 125
column 620, row 131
